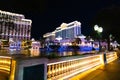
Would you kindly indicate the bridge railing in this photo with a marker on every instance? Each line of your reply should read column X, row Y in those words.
column 5, row 63
column 65, row 69
column 68, row 68
column 111, row 56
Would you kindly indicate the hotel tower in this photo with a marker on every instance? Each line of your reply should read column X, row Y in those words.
column 14, row 26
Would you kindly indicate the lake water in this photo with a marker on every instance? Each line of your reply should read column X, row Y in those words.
column 33, row 53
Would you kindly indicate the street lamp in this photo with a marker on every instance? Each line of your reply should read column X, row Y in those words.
column 99, row 30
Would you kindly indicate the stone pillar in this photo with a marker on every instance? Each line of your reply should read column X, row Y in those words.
column 103, row 58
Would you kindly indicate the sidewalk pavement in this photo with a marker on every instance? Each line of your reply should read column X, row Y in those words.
column 110, row 71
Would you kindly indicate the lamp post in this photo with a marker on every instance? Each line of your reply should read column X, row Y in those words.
column 109, row 41
column 99, row 30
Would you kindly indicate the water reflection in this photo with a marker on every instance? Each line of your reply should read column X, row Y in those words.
column 65, row 53
column 3, row 52
column 28, row 53
column 34, row 53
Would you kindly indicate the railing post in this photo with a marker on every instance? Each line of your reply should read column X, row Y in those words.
column 102, row 59
column 105, row 58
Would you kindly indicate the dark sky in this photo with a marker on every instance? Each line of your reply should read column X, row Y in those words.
column 46, row 15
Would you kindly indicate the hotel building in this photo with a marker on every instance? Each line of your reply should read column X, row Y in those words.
column 66, row 32
column 14, row 26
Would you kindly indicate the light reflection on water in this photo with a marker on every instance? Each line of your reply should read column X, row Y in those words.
column 32, row 53
column 65, row 53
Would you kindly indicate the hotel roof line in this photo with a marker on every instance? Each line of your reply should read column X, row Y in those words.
column 11, row 13
column 28, row 20
column 16, row 14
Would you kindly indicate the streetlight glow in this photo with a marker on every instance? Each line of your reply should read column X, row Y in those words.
column 100, row 29
column 96, row 27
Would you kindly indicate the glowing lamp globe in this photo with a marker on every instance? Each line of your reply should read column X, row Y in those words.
column 96, row 27
column 100, row 29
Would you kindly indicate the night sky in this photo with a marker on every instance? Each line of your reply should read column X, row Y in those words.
column 46, row 15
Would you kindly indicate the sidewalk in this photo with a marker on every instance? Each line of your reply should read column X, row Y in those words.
column 110, row 71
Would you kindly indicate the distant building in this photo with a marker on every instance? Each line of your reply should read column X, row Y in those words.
column 68, row 31
column 65, row 32
column 14, row 26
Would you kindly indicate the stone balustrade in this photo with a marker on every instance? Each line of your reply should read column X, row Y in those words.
column 68, row 68
column 5, row 63
column 111, row 56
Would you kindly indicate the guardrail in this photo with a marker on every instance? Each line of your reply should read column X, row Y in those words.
column 69, row 68
column 5, row 63
column 111, row 56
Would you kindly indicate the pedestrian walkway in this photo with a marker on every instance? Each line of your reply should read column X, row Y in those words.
column 110, row 71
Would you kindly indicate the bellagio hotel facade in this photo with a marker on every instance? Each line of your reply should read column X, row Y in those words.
column 13, row 25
